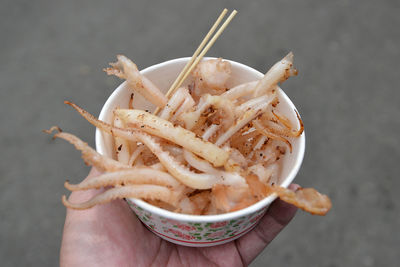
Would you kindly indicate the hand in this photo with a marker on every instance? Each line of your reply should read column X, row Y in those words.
column 111, row 235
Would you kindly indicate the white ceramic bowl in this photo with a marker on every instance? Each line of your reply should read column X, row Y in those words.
column 196, row 230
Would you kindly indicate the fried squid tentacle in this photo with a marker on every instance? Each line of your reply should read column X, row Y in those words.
column 153, row 192
column 159, row 167
column 180, row 172
column 183, row 174
column 211, row 76
column 226, row 178
column 259, row 142
column 286, row 122
column 254, row 103
column 280, row 125
column 282, row 119
column 120, row 144
column 173, row 104
column 235, row 163
column 261, row 129
column 277, row 129
column 210, row 131
column 124, row 68
column 240, row 90
column 266, row 175
column 139, row 175
column 161, row 128
column 231, row 198
column 247, row 117
column 90, row 156
column 279, row 72
column 139, row 150
column 307, row 199
column 165, row 129
column 185, row 107
column 198, row 163
column 205, row 102
column 186, row 206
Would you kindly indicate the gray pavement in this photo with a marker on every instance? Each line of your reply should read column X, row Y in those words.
column 347, row 53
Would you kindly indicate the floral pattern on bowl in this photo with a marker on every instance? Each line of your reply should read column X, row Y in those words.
column 191, row 233
column 192, row 230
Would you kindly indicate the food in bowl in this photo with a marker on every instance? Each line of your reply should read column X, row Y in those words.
column 210, row 150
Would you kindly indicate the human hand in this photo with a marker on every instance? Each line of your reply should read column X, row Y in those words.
column 111, row 235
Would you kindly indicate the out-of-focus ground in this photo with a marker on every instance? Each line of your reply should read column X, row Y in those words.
column 347, row 92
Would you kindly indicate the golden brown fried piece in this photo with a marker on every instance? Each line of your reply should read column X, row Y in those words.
column 154, row 125
column 89, row 155
column 138, row 175
column 124, row 68
column 307, row 199
column 211, row 150
column 264, row 131
column 129, row 191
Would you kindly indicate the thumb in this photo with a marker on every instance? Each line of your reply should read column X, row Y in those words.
column 275, row 219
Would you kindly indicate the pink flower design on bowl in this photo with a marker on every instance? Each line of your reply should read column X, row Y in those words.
column 173, row 222
column 186, row 227
column 216, row 234
column 218, row 224
column 180, row 234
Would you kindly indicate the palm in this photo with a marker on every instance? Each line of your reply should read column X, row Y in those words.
column 111, row 235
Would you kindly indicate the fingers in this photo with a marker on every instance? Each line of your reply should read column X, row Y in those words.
column 101, row 235
column 275, row 219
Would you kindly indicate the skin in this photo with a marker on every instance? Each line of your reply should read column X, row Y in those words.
column 111, row 235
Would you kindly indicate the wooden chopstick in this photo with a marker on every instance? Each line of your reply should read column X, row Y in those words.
column 195, row 59
column 195, row 54
column 205, row 50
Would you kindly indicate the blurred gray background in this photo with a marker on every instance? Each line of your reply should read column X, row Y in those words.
column 347, row 91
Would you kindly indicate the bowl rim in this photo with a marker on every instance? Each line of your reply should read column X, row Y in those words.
column 206, row 218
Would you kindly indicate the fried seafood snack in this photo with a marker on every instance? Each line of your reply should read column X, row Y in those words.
column 212, row 148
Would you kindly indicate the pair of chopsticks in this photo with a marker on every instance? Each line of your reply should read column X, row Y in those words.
column 200, row 52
